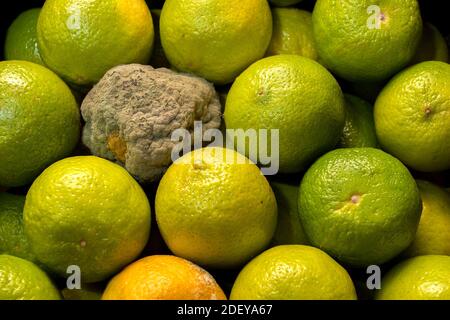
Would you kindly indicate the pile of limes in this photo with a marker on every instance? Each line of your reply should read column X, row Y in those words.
column 358, row 93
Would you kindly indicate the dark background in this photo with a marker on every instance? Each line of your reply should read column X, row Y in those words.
column 433, row 11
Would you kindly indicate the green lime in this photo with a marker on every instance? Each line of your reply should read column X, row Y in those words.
column 293, row 272
column 12, row 236
column 412, row 116
column 39, row 121
column 366, row 40
column 23, row 280
column 292, row 33
column 360, row 205
column 86, row 212
column 294, row 95
column 21, row 38
column 81, row 40
column 359, row 130
column 88, row 291
column 433, row 234
column 289, row 228
column 419, row 278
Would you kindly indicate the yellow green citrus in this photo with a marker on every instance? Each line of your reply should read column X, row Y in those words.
column 412, row 114
column 292, row 33
column 23, row 280
column 39, row 121
column 359, row 130
column 289, row 228
column 294, row 95
column 432, row 46
column 433, row 234
column 293, row 272
column 215, row 208
column 81, row 40
column 21, row 38
column 215, row 39
column 88, row 212
column 419, row 278
column 366, row 40
column 12, row 236
column 360, row 205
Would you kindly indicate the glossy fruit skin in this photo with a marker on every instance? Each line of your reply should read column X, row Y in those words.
column 359, row 129
column 292, row 33
column 82, row 39
column 289, row 228
column 12, row 235
column 89, row 212
column 294, row 95
column 350, row 43
column 39, row 121
column 360, row 205
column 293, row 272
column 412, row 114
column 163, row 278
column 23, row 280
column 420, row 278
column 21, row 38
column 214, row 211
column 190, row 33
column 433, row 234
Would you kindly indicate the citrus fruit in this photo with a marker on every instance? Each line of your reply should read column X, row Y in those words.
column 293, row 272
column 12, row 236
column 214, row 208
column 81, row 40
column 284, row 3
column 360, row 205
column 433, row 234
column 412, row 116
column 292, row 33
column 215, row 39
column 158, row 58
column 432, row 46
column 419, row 278
column 294, row 95
column 163, row 278
column 23, row 280
column 366, row 40
column 21, row 38
column 88, row 212
column 289, row 228
column 39, row 121
column 359, row 129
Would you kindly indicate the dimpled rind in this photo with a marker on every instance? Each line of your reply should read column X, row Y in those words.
column 353, row 46
column 215, row 208
column 412, row 116
column 82, row 39
column 293, row 272
column 294, row 95
column 360, row 205
column 39, row 121
column 88, row 212
column 215, row 39
column 23, row 280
